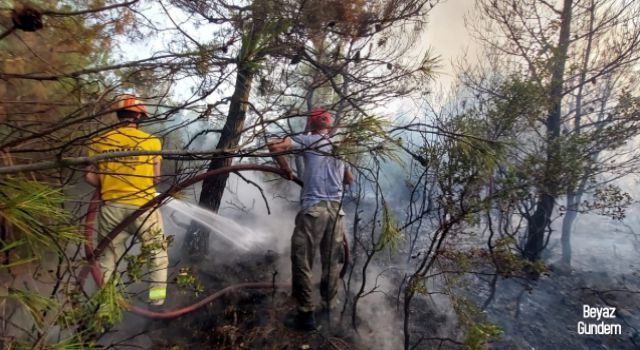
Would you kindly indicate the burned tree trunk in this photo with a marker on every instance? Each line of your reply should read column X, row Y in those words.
column 548, row 189
column 574, row 195
column 213, row 187
column 196, row 242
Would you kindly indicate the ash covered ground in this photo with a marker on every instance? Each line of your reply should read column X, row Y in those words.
column 544, row 314
column 533, row 314
column 246, row 319
column 541, row 315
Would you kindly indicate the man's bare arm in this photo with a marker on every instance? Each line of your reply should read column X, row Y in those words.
column 91, row 177
column 281, row 145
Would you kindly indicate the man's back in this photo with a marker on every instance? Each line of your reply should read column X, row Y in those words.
column 323, row 172
column 130, row 179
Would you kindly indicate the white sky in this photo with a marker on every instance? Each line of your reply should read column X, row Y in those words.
column 448, row 39
column 447, row 35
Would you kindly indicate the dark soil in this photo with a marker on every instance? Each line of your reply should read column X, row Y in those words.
column 546, row 316
column 541, row 314
column 248, row 319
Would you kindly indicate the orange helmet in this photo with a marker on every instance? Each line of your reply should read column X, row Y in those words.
column 129, row 103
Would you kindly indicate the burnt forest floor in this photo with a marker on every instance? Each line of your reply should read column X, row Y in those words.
column 544, row 314
column 243, row 319
column 541, row 314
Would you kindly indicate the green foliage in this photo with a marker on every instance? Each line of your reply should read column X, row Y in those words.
column 32, row 302
column 504, row 256
column 390, row 235
column 259, row 42
column 135, row 266
column 465, row 164
column 478, row 332
column 96, row 315
column 508, row 262
column 66, row 344
column 33, row 211
column 418, row 284
column 570, row 163
column 518, row 104
column 271, row 30
column 13, row 246
column 366, row 135
column 461, row 260
column 105, row 308
column 609, row 201
column 187, row 280
column 137, row 263
column 73, row 344
column 471, row 155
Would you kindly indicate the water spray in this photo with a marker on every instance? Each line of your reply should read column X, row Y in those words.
column 157, row 201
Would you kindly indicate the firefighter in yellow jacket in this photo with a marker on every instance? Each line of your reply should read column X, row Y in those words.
column 125, row 184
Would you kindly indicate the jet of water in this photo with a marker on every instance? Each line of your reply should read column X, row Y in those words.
column 180, row 214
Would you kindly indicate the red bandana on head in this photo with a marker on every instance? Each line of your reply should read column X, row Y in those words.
column 319, row 118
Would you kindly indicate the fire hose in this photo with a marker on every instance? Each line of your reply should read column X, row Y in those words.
column 91, row 254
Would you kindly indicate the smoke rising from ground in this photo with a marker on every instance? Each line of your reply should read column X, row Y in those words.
column 600, row 244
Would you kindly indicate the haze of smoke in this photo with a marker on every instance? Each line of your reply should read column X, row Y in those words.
column 244, row 210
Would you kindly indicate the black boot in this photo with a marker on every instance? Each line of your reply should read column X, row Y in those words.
column 323, row 316
column 302, row 321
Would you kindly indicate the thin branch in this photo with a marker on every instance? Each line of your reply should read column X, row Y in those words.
column 61, row 162
column 7, row 32
column 266, row 203
column 146, row 62
column 84, row 12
